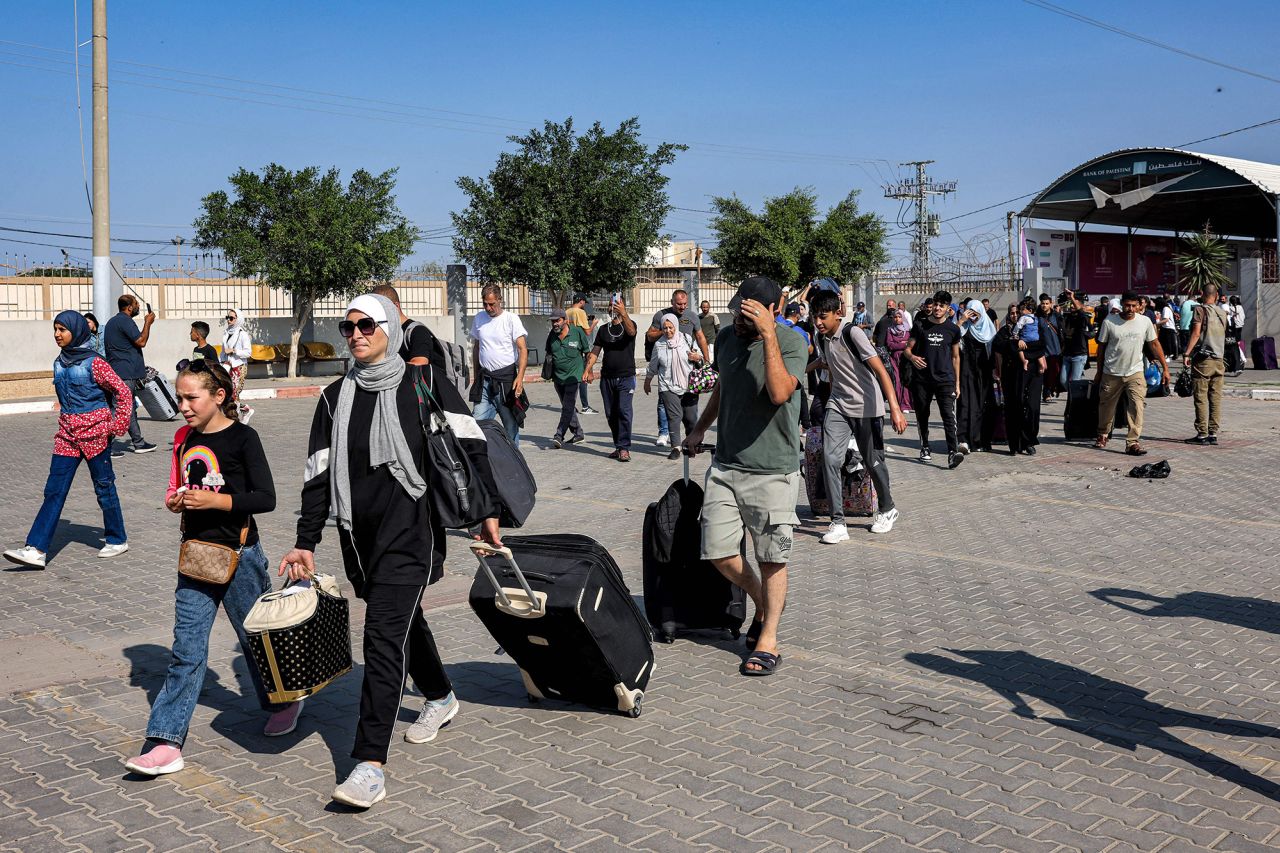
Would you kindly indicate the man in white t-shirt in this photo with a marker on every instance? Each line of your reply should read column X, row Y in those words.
column 1122, row 341
column 500, row 352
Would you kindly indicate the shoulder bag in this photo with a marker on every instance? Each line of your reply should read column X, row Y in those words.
column 208, row 562
column 461, row 494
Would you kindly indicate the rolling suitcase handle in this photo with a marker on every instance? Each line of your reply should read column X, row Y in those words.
column 535, row 604
column 684, row 455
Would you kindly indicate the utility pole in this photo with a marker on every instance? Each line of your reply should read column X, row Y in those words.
column 1008, row 224
column 102, row 306
column 926, row 225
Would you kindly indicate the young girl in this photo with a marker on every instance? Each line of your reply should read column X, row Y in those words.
column 219, row 481
column 86, row 423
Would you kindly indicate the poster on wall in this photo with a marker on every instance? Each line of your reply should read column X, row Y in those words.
column 1109, row 265
column 1051, row 251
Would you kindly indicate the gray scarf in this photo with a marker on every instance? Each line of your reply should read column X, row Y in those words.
column 387, row 445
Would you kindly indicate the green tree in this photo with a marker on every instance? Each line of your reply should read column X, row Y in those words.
column 566, row 212
column 790, row 244
column 305, row 233
column 1201, row 261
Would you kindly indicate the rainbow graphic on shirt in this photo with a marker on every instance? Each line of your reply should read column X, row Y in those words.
column 200, row 468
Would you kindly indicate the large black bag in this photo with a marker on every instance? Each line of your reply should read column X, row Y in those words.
column 683, row 592
column 516, row 488
column 1263, row 350
column 559, row 607
column 463, row 492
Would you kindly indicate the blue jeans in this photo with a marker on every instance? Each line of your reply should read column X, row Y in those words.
column 664, row 428
column 582, row 395
column 491, row 406
column 1072, row 369
column 195, row 606
column 62, row 470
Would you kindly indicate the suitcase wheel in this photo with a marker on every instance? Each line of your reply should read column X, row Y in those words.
column 636, row 709
column 667, row 638
column 735, row 632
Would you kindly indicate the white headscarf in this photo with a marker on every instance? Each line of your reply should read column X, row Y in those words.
column 677, row 355
column 982, row 329
column 387, row 444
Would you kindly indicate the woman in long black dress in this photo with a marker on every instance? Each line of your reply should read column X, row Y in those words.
column 1022, row 385
column 977, row 382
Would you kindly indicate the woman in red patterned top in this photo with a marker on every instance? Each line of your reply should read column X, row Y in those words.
column 87, row 421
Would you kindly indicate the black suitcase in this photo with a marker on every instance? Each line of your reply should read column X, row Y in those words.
column 1080, row 420
column 567, row 619
column 681, row 591
column 158, row 397
column 1263, row 350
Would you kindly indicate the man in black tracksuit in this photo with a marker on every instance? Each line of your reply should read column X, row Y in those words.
column 934, row 352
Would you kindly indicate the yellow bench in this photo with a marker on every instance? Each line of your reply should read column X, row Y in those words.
column 319, row 351
column 263, row 354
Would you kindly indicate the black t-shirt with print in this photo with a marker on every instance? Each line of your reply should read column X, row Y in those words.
column 207, row 352
column 1075, row 337
column 617, row 351
column 228, row 462
column 933, row 343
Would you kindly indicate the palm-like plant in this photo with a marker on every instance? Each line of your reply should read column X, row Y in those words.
column 1201, row 262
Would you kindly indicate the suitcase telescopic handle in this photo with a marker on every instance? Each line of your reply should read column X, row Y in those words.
column 484, row 549
column 702, row 448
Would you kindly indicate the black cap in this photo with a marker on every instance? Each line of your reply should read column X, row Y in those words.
column 764, row 290
column 792, row 308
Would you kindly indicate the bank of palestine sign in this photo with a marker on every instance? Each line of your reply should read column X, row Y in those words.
column 1128, row 180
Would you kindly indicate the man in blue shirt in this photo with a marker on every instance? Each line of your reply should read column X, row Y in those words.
column 792, row 321
column 123, row 343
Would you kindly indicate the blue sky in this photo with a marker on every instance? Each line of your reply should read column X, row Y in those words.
column 1003, row 95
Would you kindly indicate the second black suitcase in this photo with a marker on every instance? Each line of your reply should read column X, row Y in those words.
column 1080, row 420
column 681, row 591
column 558, row 605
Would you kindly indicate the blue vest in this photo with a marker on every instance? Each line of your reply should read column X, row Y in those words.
column 77, row 392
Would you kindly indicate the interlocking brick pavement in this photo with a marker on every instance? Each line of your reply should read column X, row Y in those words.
column 1043, row 655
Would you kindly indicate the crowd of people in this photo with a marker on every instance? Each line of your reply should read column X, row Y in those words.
column 783, row 364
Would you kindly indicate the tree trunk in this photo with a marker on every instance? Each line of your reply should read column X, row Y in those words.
column 302, row 306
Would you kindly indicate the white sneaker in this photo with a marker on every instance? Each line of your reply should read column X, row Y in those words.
column 664, row 440
column 26, row 556
column 114, row 550
column 365, row 786
column 837, row 531
column 245, row 415
column 883, row 522
column 963, row 447
column 588, row 411
column 434, row 716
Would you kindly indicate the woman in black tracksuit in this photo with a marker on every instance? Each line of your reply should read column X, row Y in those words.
column 384, row 532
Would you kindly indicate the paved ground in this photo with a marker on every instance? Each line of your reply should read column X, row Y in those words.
column 1044, row 655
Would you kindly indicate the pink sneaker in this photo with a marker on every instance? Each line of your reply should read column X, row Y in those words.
column 162, row 759
column 284, row 721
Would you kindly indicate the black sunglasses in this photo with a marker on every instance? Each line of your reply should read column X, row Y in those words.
column 199, row 365
column 366, row 325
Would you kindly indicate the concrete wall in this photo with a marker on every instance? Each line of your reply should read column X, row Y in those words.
column 27, row 345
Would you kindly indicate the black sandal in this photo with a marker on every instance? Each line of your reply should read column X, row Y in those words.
column 753, row 633
column 767, row 661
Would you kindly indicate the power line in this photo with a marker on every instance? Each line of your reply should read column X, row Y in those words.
column 1093, row 22
column 81, row 236
column 1230, row 132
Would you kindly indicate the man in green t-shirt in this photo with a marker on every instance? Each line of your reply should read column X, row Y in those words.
column 567, row 348
column 754, row 479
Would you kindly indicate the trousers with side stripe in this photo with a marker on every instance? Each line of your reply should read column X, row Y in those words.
column 397, row 642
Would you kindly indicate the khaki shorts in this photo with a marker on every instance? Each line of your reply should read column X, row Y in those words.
column 764, row 503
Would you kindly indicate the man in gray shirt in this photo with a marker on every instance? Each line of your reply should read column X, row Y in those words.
column 859, row 387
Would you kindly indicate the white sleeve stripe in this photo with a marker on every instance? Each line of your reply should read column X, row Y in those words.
column 317, row 464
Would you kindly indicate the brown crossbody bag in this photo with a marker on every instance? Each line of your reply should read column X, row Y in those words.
column 208, row 561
